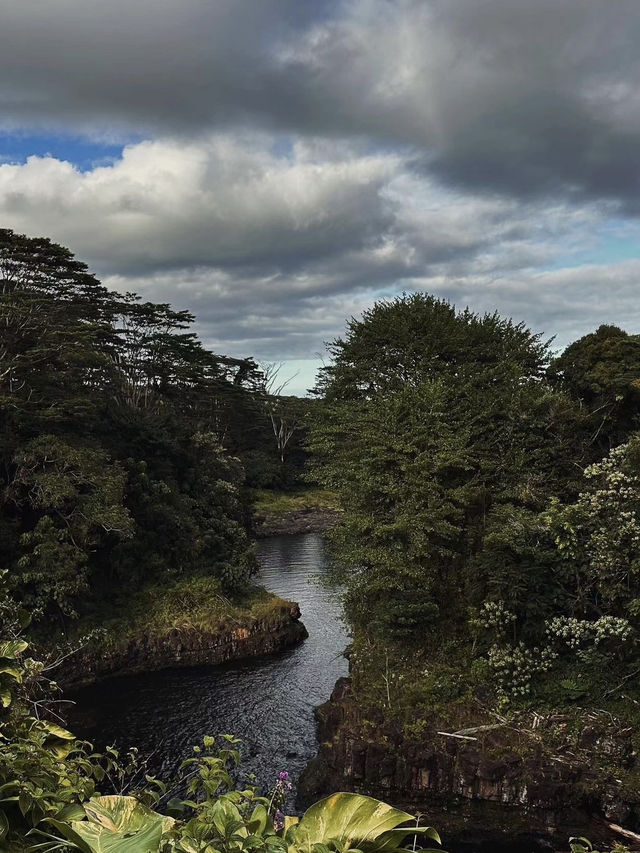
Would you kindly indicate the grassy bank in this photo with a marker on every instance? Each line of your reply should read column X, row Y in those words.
column 188, row 604
column 186, row 623
column 299, row 511
column 272, row 503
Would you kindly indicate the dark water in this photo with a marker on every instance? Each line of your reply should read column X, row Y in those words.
column 268, row 702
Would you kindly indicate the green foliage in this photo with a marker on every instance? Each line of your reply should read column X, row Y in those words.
column 193, row 603
column 122, row 439
column 576, row 608
column 403, row 341
column 428, row 414
column 479, row 511
column 599, row 534
column 602, row 371
column 579, row 844
column 44, row 771
column 348, row 821
column 239, row 821
column 77, row 497
column 118, row 824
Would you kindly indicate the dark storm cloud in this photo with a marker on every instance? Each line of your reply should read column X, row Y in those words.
column 553, row 103
column 513, row 95
column 153, row 62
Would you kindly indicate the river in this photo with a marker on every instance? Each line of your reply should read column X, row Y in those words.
column 268, row 702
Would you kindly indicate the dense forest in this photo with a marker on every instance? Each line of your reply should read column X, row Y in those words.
column 491, row 493
column 126, row 447
column 128, row 455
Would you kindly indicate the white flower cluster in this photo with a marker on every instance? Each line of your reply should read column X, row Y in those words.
column 609, row 465
column 612, row 514
column 578, row 632
column 494, row 616
column 515, row 666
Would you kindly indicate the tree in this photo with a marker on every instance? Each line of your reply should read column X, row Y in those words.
column 426, row 415
column 602, row 371
column 118, row 428
column 405, row 340
column 598, row 536
column 53, row 314
column 74, row 500
column 285, row 413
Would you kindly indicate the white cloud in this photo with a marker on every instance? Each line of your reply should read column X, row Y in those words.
column 272, row 252
column 225, row 201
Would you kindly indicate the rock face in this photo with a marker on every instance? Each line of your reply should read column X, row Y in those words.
column 483, row 789
column 188, row 647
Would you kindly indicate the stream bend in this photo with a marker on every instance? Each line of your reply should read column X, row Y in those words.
column 268, row 702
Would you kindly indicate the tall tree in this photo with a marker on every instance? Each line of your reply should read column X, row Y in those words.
column 117, row 424
column 430, row 421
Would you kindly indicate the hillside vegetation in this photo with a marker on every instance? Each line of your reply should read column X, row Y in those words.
column 490, row 540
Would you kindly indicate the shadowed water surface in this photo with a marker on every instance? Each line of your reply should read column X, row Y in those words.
column 268, row 702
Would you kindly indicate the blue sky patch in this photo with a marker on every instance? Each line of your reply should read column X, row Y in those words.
column 83, row 153
column 614, row 241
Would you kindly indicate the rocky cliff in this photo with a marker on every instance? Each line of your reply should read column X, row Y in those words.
column 534, row 783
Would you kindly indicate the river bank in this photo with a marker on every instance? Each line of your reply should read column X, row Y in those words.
column 294, row 513
column 187, row 623
column 188, row 646
column 535, row 778
column 190, row 622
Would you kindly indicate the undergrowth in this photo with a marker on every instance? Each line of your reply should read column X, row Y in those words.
column 272, row 504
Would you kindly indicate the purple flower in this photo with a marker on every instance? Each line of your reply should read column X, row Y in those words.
column 278, row 821
column 283, row 775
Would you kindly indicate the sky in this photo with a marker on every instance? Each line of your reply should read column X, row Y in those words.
column 276, row 166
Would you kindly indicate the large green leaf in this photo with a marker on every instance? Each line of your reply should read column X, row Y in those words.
column 13, row 671
column 116, row 825
column 72, row 811
column 59, row 741
column 124, row 814
column 353, row 821
column 12, row 648
column 57, row 731
column 394, row 838
column 94, row 838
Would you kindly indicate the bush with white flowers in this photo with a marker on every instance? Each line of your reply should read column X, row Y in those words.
column 514, row 667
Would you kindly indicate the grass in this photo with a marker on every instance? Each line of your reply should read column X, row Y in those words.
column 195, row 603
column 271, row 504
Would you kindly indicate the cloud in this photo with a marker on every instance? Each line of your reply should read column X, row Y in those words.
column 517, row 97
column 152, row 63
column 563, row 303
column 292, row 162
column 227, row 201
column 270, row 249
